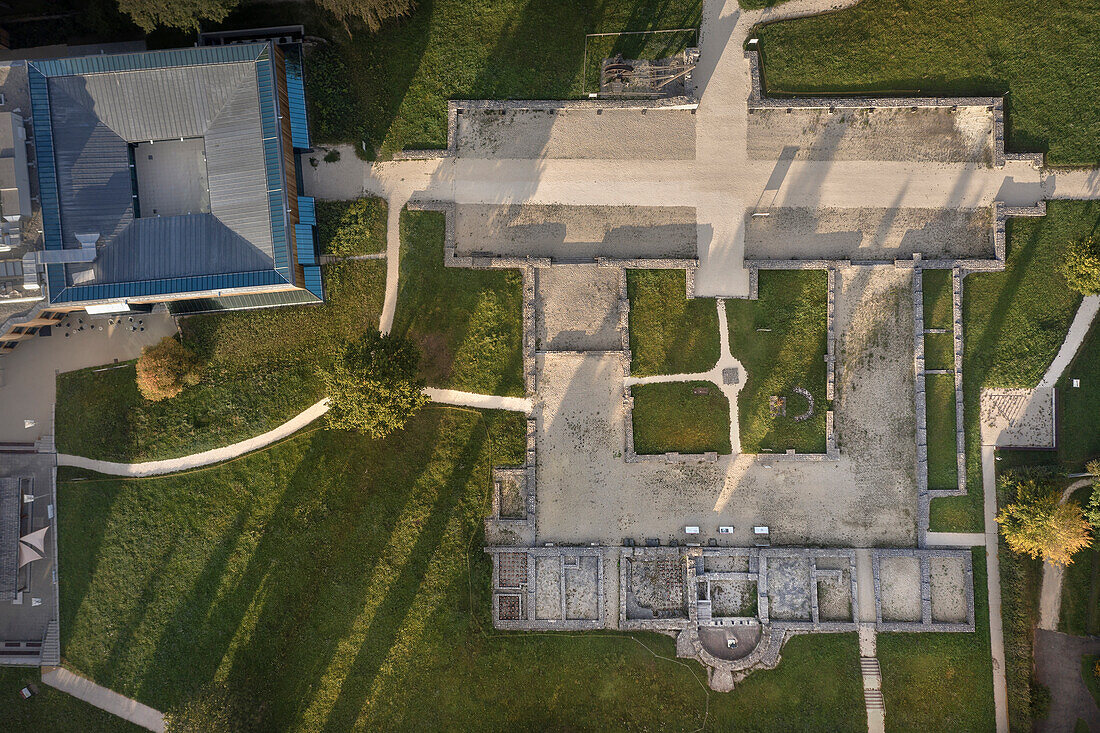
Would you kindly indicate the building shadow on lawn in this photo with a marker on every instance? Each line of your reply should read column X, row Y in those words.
column 394, row 610
column 194, row 644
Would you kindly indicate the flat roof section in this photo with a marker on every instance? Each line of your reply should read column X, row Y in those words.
column 171, row 177
column 32, row 474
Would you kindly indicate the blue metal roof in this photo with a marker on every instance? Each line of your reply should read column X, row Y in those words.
column 307, row 210
column 295, row 87
column 200, row 283
column 307, row 252
column 261, row 56
column 313, row 280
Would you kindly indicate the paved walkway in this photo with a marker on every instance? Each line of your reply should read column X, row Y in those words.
column 102, row 698
column 196, row 460
column 1078, row 329
column 1050, row 597
column 1058, row 666
column 954, row 539
column 483, row 401
column 1073, row 184
column 713, row 375
column 872, row 679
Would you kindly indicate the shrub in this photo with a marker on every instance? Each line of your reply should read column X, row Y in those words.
column 372, row 385
column 1082, row 266
column 334, row 110
column 332, row 156
column 165, row 369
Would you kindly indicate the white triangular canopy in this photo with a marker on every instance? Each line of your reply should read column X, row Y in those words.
column 36, row 539
column 28, row 554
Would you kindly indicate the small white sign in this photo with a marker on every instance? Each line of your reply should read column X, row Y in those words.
column 726, row 529
column 691, row 530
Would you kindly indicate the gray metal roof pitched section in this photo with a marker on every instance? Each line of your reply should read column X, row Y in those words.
column 236, row 170
column 176, row 246
column 92, row 170
column 158, row 104
column 9, row 538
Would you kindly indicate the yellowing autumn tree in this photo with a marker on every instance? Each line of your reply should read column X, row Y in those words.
column 1037, row 524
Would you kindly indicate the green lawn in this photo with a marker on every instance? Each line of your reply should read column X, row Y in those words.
column 939, row 397
column 669, row 334
column 356, row 227
column 338, row 583
column 1014, row 322
column 781, row 340
column 670, row 417
column 1081, row 585
column 982, row 47
column 1079, row 408
column 51, row 710
column 939, row 351
column 260, row 370
column 1088, row 673
column 940, row 681
column 936, row 287
column 390, row 89
column 468, row 323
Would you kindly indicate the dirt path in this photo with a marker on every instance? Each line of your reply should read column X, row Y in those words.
column 1050, row 598
column 1058, row 666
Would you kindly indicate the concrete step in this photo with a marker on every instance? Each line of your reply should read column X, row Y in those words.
column 870, row 666
column 874, row 699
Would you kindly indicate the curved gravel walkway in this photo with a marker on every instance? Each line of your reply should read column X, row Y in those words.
column 196, row 460
column 291, row 426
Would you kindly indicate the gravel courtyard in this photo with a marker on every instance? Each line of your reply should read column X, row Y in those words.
column 588, row 493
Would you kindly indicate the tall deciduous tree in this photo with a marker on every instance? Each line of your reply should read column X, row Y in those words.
column 372, row 385
column 1037, row 524
column 372, row 12
column 183, row 14
column 1082, row 266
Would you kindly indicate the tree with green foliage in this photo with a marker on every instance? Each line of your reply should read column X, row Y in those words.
column 1092, row 512
column 372, row 12
column 183, row 14
column 165, row 369
column 1082, row 266
column 1036, row 523
column 372, row 385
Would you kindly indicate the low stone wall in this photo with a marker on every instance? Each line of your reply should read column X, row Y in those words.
column 926, row 623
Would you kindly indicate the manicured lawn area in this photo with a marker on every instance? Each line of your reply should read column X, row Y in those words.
column 334, row 582
column 1081, row 585
column 936, row 287
column 670, row 417
column 940, row 681
column 780, row 339
column 356, row 227
column 939, row 351
column 939, row 397
column 260, row 370
column 669, row 334
column 1013, row 324
column 1079, row 407
column 390, row 89
column 985, row 47
column 51, row 710
column 468, row 323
